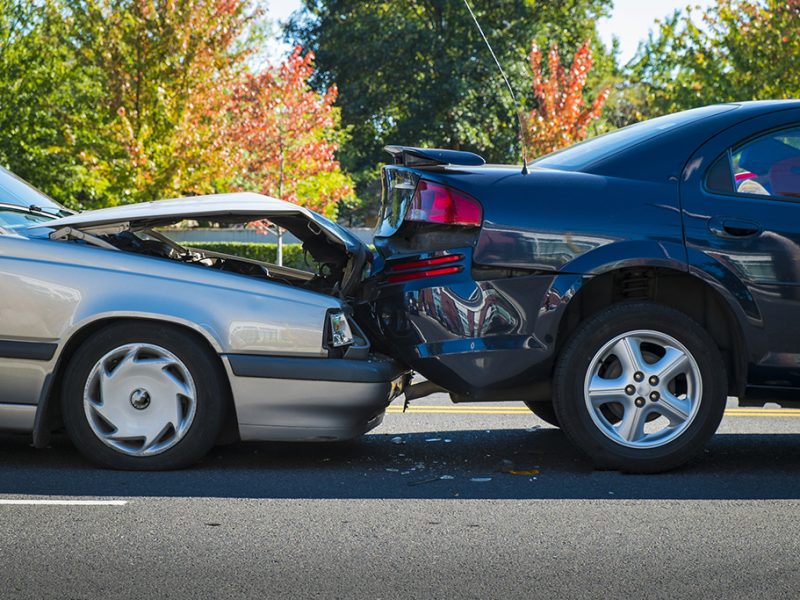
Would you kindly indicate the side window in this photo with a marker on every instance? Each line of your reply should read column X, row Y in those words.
column 768, row 165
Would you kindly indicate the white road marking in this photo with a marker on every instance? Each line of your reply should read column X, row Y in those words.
column 32, row 502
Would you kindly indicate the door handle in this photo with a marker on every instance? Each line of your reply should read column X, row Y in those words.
column 733, row 228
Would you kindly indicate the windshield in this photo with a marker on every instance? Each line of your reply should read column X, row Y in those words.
column 18, row 220
column 14, row 190
column 585, row 153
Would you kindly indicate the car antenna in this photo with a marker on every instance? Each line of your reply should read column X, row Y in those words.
column 508, row 85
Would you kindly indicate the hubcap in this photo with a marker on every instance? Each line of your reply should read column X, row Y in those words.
column 666, row 382
column 140, row 399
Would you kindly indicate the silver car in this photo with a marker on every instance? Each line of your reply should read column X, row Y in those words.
column 149, row 353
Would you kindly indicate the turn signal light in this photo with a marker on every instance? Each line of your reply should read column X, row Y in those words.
column 437, row 203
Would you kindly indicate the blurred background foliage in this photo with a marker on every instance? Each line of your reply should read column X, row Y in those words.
column 112, row 101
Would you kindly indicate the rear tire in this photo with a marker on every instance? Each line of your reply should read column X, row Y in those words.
column 640, row 387
column 544, row 410
column 143, row 396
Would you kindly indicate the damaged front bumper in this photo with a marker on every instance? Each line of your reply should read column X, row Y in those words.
column 281, row 398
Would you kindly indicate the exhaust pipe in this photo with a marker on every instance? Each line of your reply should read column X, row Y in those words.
column 419, row 390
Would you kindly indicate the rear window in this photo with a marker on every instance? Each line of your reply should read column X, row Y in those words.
column 585, row 153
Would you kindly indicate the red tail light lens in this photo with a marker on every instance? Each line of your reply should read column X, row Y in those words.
column 436, row 203
column 428, row 262
column 400, row 277
column 421, row 269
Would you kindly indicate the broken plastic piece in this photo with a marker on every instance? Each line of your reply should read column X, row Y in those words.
column 421, row 481
column 505, row 465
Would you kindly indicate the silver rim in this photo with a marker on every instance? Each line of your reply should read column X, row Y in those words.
column 140, row 399
column 643, row 389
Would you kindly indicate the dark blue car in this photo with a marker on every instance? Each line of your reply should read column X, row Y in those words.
column 622, row 288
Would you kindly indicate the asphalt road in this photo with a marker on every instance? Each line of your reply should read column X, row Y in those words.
column 419, row 508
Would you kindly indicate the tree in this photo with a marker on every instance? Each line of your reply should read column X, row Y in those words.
column 166, row 67
column 418, row 73
column 744, row 50
column 287, row 135
column 48, row 100
column 560, row 117
column 111, row 101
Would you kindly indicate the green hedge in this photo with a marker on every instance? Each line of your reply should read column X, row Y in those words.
column 292, row 253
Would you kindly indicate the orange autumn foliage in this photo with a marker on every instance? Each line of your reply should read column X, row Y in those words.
column 561, row 115
column 287, row 134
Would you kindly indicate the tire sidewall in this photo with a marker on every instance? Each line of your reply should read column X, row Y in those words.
column 209, row 410
column 574, row 363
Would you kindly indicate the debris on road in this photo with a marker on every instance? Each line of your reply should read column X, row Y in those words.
column 480, row 479
column 505, row 465
column 397, row 440
column 433, row 440
column 421, row 481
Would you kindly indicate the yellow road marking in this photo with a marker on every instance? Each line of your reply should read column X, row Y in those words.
column 523, row 410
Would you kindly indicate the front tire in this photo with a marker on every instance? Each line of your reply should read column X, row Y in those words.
column 143, row 396
column 640, row 387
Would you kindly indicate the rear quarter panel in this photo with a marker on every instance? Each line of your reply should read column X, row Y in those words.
column 578, row 222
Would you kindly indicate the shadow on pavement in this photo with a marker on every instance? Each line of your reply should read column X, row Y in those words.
column 734, row 466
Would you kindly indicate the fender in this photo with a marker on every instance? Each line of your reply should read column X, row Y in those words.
column 567, row 284
column 629, row 253
column 42, row 420
column 569, row 280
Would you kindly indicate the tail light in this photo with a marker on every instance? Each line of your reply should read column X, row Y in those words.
column 437, row 203
column 421, row 269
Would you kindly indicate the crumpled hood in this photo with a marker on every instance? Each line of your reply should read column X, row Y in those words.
column 240, row 206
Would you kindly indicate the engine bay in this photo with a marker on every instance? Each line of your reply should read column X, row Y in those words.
column 333, row 261
column 327, row 267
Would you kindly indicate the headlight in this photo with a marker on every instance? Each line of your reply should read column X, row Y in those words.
column 340, row 330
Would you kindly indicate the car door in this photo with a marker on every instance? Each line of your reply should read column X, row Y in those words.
column 30, row 303
column 740, row 199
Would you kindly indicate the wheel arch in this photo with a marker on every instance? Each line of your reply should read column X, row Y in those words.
column 48, row 411
column 669, row 286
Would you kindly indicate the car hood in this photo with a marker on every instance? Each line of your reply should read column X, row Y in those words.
column 237, row 207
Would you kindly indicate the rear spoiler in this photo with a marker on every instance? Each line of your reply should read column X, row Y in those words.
column 432, row 157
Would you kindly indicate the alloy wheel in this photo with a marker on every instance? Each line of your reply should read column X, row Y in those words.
column 643, row 389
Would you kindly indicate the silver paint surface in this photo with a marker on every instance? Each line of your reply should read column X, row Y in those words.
column 51, row 289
